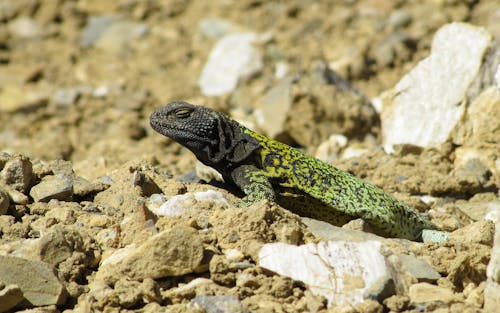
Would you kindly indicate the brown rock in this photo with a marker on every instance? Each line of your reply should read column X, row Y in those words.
column 425, row 292
column 17, row 173
column 481, row 232
column 38, row 280
column 176, row 252
column 4, row 202
column 53, row 187
column 10, row 296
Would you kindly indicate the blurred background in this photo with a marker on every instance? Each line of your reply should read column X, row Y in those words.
column 78, row 79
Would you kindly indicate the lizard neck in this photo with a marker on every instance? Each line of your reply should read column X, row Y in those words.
column 233, row 147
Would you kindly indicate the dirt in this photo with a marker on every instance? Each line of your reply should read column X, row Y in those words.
column 103, row 132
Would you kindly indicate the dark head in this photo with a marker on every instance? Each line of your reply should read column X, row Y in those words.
column 210, row 135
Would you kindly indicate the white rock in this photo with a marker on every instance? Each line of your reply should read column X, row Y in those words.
column 177, row 205
column 329, row 150
column 492, row 290
column 232, row 58
column 343, row 272
column 426, row 104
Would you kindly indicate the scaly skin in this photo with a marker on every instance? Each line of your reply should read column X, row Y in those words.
column 267, row 169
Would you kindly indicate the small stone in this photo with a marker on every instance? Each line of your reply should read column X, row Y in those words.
column 53, row 187
column 82, row 187
column 233, row 57
column 66, row 97
column 424, row 293
column 24, row 98
column 4, row 202
column 328, row 232
column 216, row 304
column 120, row 33
column 329, row 150
column 335, row 270
column 215, row 28
column 417, row 268
column 445, row 76
column 436, row 236
column 96, row 26
column 147, row 185
column 17, row 173
column 15, row 196
column 206, row 173
column 37, row 280
column 276, row 103
column 392, row 48
column 475, row 169
column 10, row 296
column 481, row 232
column 400, row 18
column 182, row 204
column 25, row 27
column 176, row 252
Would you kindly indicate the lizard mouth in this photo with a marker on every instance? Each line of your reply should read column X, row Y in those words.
column 178, row 134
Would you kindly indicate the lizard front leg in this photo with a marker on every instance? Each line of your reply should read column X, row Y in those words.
column 254, row 183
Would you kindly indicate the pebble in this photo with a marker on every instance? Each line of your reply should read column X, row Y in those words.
column 233, row 57
column 217, row 304
column 29, row 276
column 17, row 173
column 215, row 28
column 66, row 97
column 206, row 173
column 16, row 97
column 95, row 27
column 276, row 104
column 111, row 33
column 426, row 104
column 415, row 267
column 4, row 202
column 328, row 232
column 329, row 151
column 482, row 232
column 10, row 296
column 147, row 185
column 422, row 293
column 119, row 34
column 391, row 48
column 53, row 187
column 179, row 205
column 175, row 252
column 83, row 187
column 25, row 27
column 15, row 196
column 474, row 168
column 335, row 270
column 400, row 18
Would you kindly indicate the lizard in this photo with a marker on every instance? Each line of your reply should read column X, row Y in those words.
column 263, row 168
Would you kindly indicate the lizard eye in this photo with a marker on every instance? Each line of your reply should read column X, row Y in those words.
column 183, row 113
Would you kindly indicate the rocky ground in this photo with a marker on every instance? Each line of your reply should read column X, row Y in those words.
column 100, row 213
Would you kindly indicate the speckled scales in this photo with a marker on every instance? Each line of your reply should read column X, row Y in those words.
column 341, row 192
column 267, row 169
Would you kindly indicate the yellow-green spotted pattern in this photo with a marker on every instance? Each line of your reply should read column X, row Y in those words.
column 316, row 189
column 266, row 169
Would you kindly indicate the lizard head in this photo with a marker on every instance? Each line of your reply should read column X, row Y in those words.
column 210, row 135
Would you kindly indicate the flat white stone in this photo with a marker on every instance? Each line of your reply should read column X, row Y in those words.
column 232, row 58
column 424, row 107
column 343, row 272
column 177, row 205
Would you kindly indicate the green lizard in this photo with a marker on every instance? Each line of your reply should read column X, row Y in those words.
column 267, row 169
